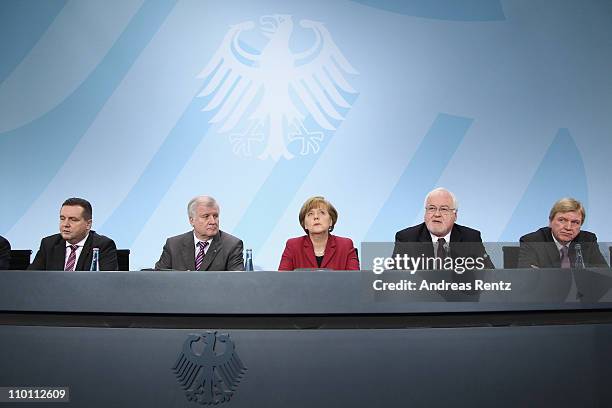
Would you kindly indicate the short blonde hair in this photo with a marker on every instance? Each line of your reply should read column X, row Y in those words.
column 316, row 202
column 566, row 205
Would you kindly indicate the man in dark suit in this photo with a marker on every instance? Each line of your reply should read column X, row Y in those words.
column 5, row 253
column 555, row 246
column 72, row 248
column 438, row 237
column 205, row 248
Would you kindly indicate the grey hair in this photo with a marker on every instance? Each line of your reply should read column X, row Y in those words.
column 442, row 190
column 206, row 201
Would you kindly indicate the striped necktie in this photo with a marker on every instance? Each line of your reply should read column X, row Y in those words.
column 71, row 262
column 200, row 256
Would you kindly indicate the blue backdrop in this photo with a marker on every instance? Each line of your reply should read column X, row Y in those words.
column 140, row 105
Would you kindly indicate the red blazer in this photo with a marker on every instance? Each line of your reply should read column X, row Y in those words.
column 340, row 254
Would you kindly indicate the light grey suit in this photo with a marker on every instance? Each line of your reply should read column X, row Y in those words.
column 224, row 254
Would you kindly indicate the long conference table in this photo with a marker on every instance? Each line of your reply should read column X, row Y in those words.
column 306, row 339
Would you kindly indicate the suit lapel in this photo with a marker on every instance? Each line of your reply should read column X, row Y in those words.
column 554, row 257
column 85, row 257
column 455, row 234
column 427, row 243
column 188, row 252
column 424, row 235
column 330, row 250
column 456, row 237
column 215, row 247
column 309, row 253
column 58, row 257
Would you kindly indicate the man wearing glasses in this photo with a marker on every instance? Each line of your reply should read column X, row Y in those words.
column 562, row 243
column 439, row 236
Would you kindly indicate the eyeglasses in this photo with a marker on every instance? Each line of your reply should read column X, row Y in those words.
column 444, row 210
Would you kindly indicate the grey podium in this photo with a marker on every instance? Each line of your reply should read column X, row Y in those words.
column 304, row 339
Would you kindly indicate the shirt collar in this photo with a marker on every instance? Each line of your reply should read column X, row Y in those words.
column 559, row 245
column 80, row 244
column 435, row 238
column 196, row 240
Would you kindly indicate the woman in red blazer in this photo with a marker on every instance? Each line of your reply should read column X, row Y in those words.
column 319, row 249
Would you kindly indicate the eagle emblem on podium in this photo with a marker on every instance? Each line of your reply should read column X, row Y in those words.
column 209, row 368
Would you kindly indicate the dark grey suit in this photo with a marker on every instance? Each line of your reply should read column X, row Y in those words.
column 538, row 249
column 224, row 254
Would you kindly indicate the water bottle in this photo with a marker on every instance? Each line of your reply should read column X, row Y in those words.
column 579, row 259
column 95, row 260
column 248, row 261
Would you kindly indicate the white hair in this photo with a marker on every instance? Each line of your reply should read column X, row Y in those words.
column 206, row 201
column 442, row 190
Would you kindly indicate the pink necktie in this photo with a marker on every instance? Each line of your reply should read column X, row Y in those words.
column 200, row 256
column 565, row 261
column 70, row 263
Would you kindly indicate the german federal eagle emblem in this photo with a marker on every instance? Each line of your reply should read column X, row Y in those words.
column 269, row 93
column 208, row 368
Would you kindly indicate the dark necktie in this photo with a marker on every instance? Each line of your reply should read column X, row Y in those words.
column 200, row 256
column 71, row 262
column 565, row 261
column 442, row 254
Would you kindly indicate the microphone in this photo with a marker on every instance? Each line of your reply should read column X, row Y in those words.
column 579, row 264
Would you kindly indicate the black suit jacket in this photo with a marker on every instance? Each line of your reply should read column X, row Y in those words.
column 225, row 254
column 468, row 243
column 5, row 253
column 538, row 249
column 52, row 254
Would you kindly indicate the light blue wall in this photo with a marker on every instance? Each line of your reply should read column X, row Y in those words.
column 507, row 103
